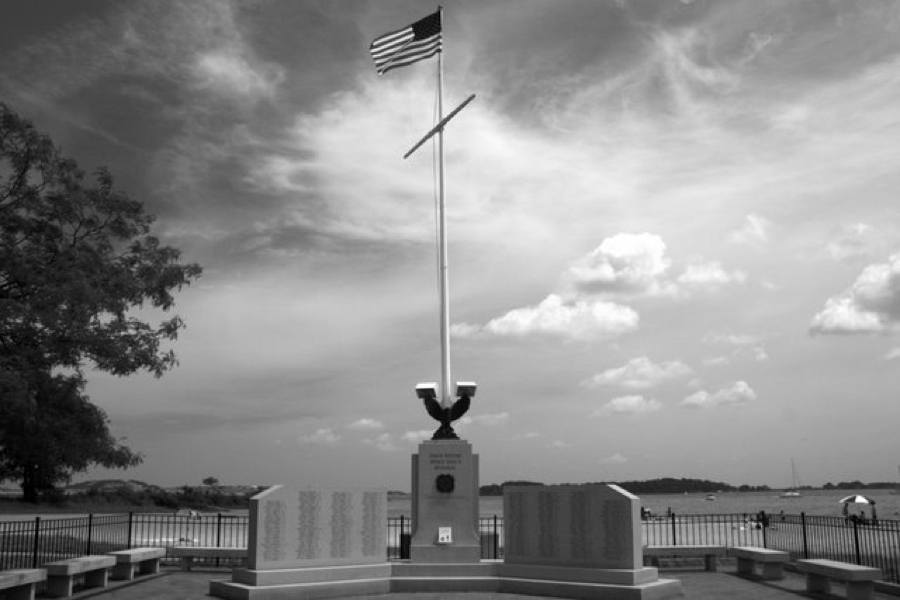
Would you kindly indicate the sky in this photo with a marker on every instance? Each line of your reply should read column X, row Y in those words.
column 674, row 236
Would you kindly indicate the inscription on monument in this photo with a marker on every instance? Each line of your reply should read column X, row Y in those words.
column 307, row 524
column 614, row 515
column 340, row 524
column 578, row 520
column 446, row 461
column 273, row 526
column 515, row 538
column 370, row 543
column 548, row 509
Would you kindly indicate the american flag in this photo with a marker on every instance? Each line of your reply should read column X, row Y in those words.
column 405, row 46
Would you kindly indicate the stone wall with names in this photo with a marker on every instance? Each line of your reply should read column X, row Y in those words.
column 592, row 525
column 302, row 527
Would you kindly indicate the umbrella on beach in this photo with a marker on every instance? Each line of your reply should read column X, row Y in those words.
column 856, row 499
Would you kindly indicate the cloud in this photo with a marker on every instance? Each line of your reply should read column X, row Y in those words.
column 558, row 444
column 628, row 405
column 383, row 442
column 892, row 354
column 739, row 393
column 710, row 274
column 324, row 436
column 553, row 316
column 488, row 420
column 365, row 424
column 227, row 72
column 870, row 305
column 639, row 373
column 625, row 262
column 614, row 459
column 754, row 231
column 852, row 241
column 417, row 436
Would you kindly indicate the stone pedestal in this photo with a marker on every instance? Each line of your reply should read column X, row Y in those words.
column 445, row 502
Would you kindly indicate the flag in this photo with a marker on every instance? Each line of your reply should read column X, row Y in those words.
column 405, row 46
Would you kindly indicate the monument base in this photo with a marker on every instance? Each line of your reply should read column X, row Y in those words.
column 485, row 577
column 445, row 503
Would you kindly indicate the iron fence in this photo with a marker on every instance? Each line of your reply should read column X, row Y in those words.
column 31, row 543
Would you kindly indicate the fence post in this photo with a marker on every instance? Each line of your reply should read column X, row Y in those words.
column 90, row 532
column 496, row 539
column 803, row 526
column 37, row 537
column 218, row 534
column 130, row 524
column 674, row 536
column 856, row 539
column 765, row 526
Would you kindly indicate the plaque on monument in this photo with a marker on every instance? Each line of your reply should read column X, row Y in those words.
column 295, row 527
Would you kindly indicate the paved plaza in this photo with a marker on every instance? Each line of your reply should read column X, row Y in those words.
column 696, row 584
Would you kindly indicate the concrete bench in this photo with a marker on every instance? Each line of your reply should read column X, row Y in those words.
column 187, row 554
column 709, row 553
column 771, row 561
column 820, row 572
column 61, row 573
column 142, row 560
column 18, row 584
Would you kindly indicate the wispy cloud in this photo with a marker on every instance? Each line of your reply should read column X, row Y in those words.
column 628, row 405
column 322, row 436
column 736, row 394
column 639, row 373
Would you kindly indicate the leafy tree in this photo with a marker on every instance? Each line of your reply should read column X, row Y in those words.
column 210, row 481
column 76, row 258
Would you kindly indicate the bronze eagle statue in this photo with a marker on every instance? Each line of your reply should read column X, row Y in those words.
column 446, row 415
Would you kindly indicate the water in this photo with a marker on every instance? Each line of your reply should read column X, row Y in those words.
column 811, row 502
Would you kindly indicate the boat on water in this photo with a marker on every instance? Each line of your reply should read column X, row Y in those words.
column 793, row 492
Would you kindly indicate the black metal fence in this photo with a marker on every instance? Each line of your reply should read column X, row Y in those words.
column 871, row 543
column 31, row 543
column 490, row 533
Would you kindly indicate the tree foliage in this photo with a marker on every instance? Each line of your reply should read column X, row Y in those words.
column 76, row 259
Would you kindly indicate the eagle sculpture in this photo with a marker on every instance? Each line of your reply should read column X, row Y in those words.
column 446, row 415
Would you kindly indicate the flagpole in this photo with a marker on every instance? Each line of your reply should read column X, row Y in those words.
column 446, row 399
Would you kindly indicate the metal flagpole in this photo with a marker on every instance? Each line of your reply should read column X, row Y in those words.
column 446, row 399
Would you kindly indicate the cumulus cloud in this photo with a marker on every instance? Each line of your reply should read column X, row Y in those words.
column 323, row 436
column 488, row 420
column 365, row 424
column 639, row 373
column 578, row 319
column 417, row 436
column 738, row 393
column 383, row 442
column 755, row 230
column 614, row 459
column 870, row 305
column 625, row 262
column 710, row 274
column 628, row 405
column 892, row 354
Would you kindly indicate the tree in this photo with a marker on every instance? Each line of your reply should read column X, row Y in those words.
column 76, row 259
column 210, row 481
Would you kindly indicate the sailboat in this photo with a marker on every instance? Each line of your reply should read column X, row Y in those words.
column 793, row 492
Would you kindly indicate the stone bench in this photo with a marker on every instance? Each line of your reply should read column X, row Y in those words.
column 18, row 584
column 142, row 560
column 771, row 561
column 708, row 552
column 858, row 578
column 187, row 554
column 61, row 573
